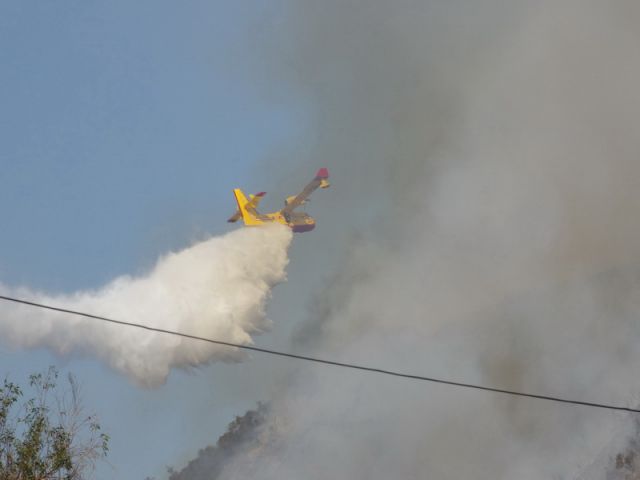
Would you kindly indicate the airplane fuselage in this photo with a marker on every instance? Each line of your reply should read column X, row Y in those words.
column 297, row 221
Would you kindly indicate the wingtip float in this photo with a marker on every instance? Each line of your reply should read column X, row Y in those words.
column 297, row 221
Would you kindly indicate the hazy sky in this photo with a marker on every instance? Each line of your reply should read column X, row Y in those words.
column 123, row 128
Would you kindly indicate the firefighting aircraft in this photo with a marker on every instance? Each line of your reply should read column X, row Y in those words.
column 298, row 221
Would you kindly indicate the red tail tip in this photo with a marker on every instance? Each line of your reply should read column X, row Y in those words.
column 261, row 194
column 322, row 173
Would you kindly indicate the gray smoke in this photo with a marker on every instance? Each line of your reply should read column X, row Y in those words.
column 246, row 436
column 485, row 163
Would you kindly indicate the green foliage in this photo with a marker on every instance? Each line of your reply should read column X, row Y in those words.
column 48, row 435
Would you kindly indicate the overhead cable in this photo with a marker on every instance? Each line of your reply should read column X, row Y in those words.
column 323, row 360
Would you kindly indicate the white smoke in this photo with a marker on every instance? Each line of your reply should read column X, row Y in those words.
column 216, row 289
column 507, row 134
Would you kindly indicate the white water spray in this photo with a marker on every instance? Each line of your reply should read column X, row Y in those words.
column 216, row 289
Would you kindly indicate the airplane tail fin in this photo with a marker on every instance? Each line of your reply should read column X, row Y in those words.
column 246, row 208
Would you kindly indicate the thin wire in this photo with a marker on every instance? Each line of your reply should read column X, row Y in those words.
column 325, row 361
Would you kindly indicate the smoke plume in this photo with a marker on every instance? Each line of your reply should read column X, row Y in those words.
column 489, row 157
column 216, row 289
column 246, row 437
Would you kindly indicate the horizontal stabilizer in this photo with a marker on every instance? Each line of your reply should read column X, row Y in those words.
column 247, row 208
column 251, row 205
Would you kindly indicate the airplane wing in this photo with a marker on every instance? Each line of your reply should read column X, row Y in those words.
column 320, row 181
column 251, row 206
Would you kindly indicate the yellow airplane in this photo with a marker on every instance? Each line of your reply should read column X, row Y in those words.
column 298, row 221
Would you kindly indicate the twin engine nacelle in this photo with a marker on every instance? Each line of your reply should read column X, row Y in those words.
column 290, row 199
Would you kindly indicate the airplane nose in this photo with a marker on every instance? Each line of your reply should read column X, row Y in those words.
column 303, row 227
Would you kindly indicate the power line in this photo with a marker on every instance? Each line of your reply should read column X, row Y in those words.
column 322, row 360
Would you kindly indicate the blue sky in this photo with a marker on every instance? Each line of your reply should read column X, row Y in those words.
column 127, row 117
column 123, row 127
